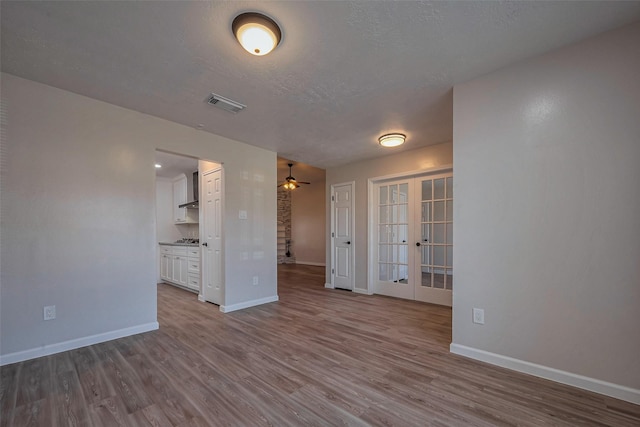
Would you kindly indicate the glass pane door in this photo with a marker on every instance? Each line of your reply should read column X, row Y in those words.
column 412, row 237
column 436, row 238
column 393, row 215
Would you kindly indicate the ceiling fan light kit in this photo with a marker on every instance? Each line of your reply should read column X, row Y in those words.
column 290, row 186
column 258, row 34
column 290, row 182
column 392, row 139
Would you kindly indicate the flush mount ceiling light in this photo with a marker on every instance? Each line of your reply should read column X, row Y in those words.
column 392, row 139
column 258, row 34
column 158, row 165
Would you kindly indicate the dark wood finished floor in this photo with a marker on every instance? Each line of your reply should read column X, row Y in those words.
column 318, row 357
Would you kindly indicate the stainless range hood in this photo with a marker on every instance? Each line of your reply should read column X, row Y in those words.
column 194, row 204
column 190, row 205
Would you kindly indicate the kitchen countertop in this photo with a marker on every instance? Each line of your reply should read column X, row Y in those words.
column 179, row 244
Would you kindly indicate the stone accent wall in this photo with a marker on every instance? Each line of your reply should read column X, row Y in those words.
column 284, row 227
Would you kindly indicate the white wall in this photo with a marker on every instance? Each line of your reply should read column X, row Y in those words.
column 78, row 217
column 430, row 157
column 547, row 214
column 308, row 223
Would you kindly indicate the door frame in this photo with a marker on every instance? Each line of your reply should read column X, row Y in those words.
column 332, row 234
column 371, row 213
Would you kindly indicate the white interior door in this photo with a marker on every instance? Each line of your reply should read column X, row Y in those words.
column 342, row 236
column 212, row 277
column 413, row 248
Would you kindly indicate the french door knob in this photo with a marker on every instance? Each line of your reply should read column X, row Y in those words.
column 205, row 244
column 348, row 242
column 418, row 244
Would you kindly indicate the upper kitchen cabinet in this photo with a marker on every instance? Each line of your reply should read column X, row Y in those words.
column 183, row 215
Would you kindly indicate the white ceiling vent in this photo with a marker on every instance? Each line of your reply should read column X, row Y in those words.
column 225, row 103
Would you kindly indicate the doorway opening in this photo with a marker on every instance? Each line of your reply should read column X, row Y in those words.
column 301, row 217
column 189, row 224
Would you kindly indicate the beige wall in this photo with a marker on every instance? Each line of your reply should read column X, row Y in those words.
column 547, row 215
column 308, row 223
column 420, row 159
column 78, row 217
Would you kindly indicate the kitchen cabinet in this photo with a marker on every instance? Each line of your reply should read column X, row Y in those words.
column 180, row 196
column 180, row 265
column 179, row 262
column 193, row 268
column 166, row 263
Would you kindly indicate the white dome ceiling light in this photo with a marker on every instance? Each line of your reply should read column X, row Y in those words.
column 258, row 34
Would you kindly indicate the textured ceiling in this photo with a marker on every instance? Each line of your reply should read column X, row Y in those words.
column 173, row 165
column 300, row 171
column 345, row 72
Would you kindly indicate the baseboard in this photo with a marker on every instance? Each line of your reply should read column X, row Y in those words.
column 362, row 291
column 49, row 349
column 317, row 264
column 328, row 285
column 201, row 298
column 608, row 389
column 247, row 304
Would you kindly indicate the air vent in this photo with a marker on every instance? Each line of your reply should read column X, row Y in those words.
column 225, row 103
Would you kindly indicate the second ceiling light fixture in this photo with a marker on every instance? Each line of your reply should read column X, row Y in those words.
column 258, row 34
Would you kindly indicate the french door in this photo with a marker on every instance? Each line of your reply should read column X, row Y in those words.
column 414, row 238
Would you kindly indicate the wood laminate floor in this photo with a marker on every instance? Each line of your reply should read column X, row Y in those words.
column 318, row 357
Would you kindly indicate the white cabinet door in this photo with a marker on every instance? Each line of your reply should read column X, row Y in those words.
column 179, row 270
column 179, row 197
column 165, row 265
column 184, row 267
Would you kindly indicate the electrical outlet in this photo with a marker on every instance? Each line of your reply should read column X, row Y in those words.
column 50, row 312
column 478, row 316
column 256, row 280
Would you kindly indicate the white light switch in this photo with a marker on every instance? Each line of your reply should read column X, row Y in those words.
column 242, row 215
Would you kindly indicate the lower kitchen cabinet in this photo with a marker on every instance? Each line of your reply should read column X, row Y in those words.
column 166, row 263
column 180, row 265
column 179, row 270
column 193, row 268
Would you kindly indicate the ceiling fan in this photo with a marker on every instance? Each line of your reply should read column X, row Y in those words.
column 290, row 182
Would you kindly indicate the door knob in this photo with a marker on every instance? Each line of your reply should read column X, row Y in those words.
column 418, row 244
column 348, row 242
column 205, row 244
